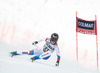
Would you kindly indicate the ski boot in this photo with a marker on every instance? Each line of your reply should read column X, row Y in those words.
column 13, row 53
column 34, row 58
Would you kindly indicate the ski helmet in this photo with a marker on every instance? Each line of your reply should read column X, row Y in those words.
column 54, row 37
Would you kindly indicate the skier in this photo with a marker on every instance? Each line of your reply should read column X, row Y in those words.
column 44, row 53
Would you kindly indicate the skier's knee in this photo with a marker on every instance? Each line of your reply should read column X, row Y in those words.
column 31, row 52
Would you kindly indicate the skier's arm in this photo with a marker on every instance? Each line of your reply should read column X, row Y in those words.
column 58, row 56
column 36, row 42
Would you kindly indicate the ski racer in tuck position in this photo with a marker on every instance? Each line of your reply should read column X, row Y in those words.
column 43, row 53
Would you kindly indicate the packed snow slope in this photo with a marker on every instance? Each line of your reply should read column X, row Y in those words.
column 23, row 64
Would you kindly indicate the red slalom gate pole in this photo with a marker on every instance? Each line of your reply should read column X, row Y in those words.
column 96, row 42
column 76, row 39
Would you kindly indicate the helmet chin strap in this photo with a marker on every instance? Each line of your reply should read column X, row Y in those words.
column 53, row 43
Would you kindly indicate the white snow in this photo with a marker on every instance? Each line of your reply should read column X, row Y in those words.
column 25, row 21
column 23, row 64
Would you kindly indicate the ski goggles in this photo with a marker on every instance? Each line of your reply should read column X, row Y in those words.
column 53, row 39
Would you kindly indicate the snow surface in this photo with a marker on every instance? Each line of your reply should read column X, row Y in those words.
column 25, row 21
column 23, row 64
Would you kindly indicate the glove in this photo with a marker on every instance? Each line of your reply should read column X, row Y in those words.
column 57, row 63
column 36, row 42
